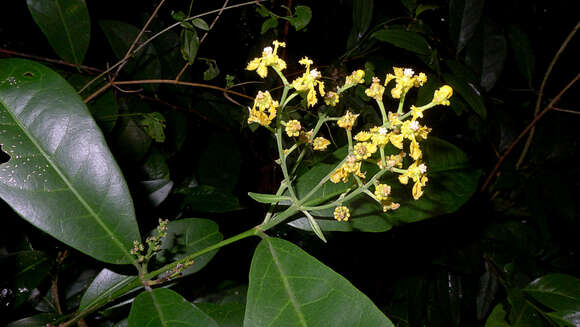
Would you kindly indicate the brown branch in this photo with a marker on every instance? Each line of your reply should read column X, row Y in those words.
column 567, row 110
column 525, row 131
column 52, row 61
column 128, row 54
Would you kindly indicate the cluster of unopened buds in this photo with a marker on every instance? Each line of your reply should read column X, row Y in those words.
column 153, row 243
column 401, row 128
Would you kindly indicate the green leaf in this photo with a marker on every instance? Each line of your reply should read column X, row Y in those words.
column 486, row 53
column 464, row 17
column 200, row 23
column 107, row 284
column 164, row 308
column 262, row 11
column 268, row 24
column 409, row 4
column 157, row 190
column 189, row 45
column 133, row 142
column 61, row 176
column 362, row 15
column 522, row 314
column 105, row 110
column 229, row 314
column 497, row 318
column 407, row 40
column 566, row 317
column 212, row 71
column 267, row 198
column 288, row 287
column 154, row 124
column 188, row 236
column 66, row 24
column 27, row 269
column 42, row 319
column 423, row 8
column 205, row 198
column 522, row 51
column 464, row 84
column 557, row 291
column 301, row 18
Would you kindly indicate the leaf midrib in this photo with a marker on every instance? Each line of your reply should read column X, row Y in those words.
column 67, row 182
column 66, row 31
column 289, row 291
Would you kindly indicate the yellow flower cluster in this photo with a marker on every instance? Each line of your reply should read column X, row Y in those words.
column 405, row 79
column 347, row 121
column 382, row 192
column 341, row 213
column 442, row 95
column 293, row 128
column 308, row 81
column 416, row 172
column 357, row 77
column 376, row 90
column 264, row 110
column 350, row 166
column 269, row 59
column 320, row 143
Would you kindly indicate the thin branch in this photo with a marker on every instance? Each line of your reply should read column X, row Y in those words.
column 178, row 77
column 525, row 131
column 541, row 92
column 142, row 45
column 567, row 110
column 128, row 54
column 52, row 61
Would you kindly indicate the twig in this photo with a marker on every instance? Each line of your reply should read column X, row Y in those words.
column 567, row 110
column 52, row 61
column 525, row 131
column 541, row 92
column 203, row 37
column 54, row 294
column 163, row 81
column 159, row 34
column 128, row 54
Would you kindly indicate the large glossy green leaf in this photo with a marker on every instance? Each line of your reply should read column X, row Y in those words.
column 61, row 176
column 566, row 317
column 288, row 287
column 452, row 182
column 205, row 198
column 407, row 40
column 497, row 317
column 464, row 17
column 66, row 24
column 164, row 308
column 187, row 236
column 464, row 84
column 556, row 291
column 107, row 284
column 229, row 314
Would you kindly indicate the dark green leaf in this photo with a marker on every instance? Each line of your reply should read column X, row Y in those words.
column 61, row 176
column 66, row 24
column 521, row 313
column 107, row 284
column 566, row 317
column 267, row 198
column 178, row 16
column 27, row 269
column 42, row 319
column 189, row 45
column 211, row 72
column 188, row 236
column 556, row 291
column 423, row 8
column 164, row 308
column 263, row 11
column 205, row 198
column 133, row 142
column 230, row 314
column 288, row 287
column 154, row 125
column 105, row 111
column 157, row 190
column 407, row 40
column 268, row 24
column 409, row 4
column 463, row 83
column 486, row 53
column 200, row 23
column 301, row 18
column 145, row 64
column 464, row 16
column 522, row 51
column 220, row 161
column 488, row 287
column 155, row 166
column 497, row 318
column 362, row 15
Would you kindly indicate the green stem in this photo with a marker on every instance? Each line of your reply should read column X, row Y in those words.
column 281, row 190
column 283, row 164
column 383, row 112
column 401, row 102
column 349, row 137
column 319, row 185
column 298, row 161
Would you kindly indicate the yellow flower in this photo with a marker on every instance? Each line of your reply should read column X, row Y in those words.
column 269, row 58
column 379, row 136
column 411, row 130
column 416, row 172
column 357, row 77
column 347, row 121
column 320, row 143
column 376, row 90
column 382, row 191
column 364, row 150
column 363, row 136
column 308, row 81
column 264, row 110
column 394, row 119
column 331, row 99
column 416, row 112
column 293, row 128
column 442, row 95
column 341, row 213
column 405, row 79
column 396, row 140
column 305, row 137
column 389, row 205
column 351, row 166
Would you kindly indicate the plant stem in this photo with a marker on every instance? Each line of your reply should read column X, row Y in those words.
column 383, row 112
